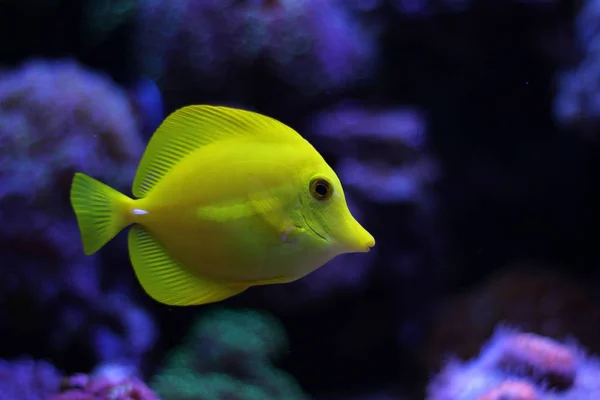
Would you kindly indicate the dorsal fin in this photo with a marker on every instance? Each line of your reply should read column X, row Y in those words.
column 192, row 127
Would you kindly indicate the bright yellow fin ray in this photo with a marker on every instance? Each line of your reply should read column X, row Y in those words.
column 168, row 282
column 99, row 211
column 192, row 127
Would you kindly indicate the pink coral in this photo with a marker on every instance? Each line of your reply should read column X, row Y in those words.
column 529, row 296
column 541, row 358
column 520, row 366
column 511, row 390
column 83, row 387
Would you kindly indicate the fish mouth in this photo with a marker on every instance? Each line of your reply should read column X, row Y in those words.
column 313, row 229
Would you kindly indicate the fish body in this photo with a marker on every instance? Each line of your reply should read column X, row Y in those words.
column 225, row 199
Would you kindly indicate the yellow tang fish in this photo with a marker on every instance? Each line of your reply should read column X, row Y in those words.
column 225, row 199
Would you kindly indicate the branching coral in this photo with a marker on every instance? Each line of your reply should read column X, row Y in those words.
column 520, row 366
column 227, row 355
column 56, row 118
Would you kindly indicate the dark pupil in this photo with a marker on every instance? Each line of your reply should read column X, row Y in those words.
column 321, row 189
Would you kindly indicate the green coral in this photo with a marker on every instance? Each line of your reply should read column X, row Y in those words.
column 227, row 356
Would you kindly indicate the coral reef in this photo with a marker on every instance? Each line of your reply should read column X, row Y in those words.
column 109, row 382
column 523, row 366
column 382, row 151
column 312, row 45
column 384, row 160
column 27, row 379
column 227, row 354
column 577, row 103
column 530, row 297
column 56, row 118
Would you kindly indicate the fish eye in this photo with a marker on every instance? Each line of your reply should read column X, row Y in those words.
column 320, row 189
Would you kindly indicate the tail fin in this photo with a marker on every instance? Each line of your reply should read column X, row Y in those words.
column 99, row 210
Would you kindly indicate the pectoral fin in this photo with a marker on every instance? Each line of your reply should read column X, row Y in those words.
column 268, row 207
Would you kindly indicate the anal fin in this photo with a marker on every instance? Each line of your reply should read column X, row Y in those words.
column 168, row 282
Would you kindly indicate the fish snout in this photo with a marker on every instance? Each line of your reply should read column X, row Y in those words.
column 366, row 244
column 357, row 239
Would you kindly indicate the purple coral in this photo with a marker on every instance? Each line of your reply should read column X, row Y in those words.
column 384, row 161
column 317, row 44
column 517, row 365
column 27, row 379
column 57, row 117
column 577, row 102
column 539, row 358
column 109, row 383
column 399, row 171
column 312, row 45
column 533, row 297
